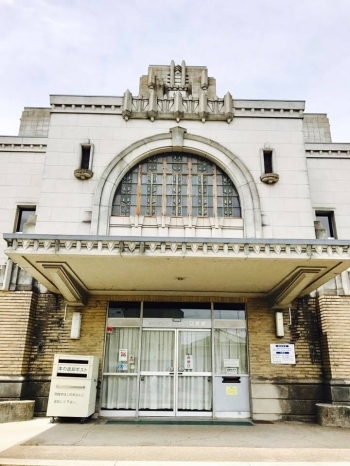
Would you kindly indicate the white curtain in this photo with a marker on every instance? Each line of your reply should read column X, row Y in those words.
column 195, row 392
column 157, row 355
column 230, row 344
column 120, row 391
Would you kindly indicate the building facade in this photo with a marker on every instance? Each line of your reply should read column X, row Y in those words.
column 198, row 245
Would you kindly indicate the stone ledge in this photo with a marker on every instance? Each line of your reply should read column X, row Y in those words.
column 333, row 415
column 14, row 411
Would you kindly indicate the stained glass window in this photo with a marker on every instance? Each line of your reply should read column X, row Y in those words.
column 176, row 185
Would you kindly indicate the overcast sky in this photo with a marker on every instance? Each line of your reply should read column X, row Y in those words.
column 256, row 49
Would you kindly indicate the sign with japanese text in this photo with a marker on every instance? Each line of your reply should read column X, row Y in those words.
column 282, row 353
column 231, row 390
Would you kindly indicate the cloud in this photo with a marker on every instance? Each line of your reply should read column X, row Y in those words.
column 256, row 49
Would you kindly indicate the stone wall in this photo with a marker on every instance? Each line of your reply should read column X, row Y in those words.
column 335, row 320
column 17, row 313
column 285, row 392
column 35, row 327
column 35, row 122
column 316, row 127
column 51, row 335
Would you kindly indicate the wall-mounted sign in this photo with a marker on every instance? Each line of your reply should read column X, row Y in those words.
column 282, row 353
column 123, row 355
column 231, row 370
column 176, row 323
column 109, row 329
column 231, row 362
column 131, row 359
column 188, row 361
column 231, row 390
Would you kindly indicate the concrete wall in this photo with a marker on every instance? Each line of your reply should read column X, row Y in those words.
column 286, row 206
column 330, row 188
column 21, row 168
column 316, row 127
column 35, row 122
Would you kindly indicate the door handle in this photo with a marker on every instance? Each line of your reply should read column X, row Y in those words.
column 171, row 373
column 180, row 373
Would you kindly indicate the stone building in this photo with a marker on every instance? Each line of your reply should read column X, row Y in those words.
column 197, row 244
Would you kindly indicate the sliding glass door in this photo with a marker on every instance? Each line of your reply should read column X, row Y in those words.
column 176, row 373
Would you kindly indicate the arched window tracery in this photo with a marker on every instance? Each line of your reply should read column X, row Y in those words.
column 177, row 185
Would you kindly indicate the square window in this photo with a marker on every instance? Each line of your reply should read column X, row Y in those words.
column 22, row 217
column 328, row 223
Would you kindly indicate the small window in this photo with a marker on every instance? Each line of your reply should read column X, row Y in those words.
column 23, row 216
column 328, row 223
column 268, row 161
column 127, row 309
column 229, row 311
column 177, row 310
column 85, row 157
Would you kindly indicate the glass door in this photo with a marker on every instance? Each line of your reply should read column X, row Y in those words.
column 157, row 375
column 194, row 374
column 176, row 373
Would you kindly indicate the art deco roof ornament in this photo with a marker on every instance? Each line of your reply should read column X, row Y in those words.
column 177, row 92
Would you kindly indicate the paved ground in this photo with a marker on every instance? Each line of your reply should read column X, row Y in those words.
column 38, row 442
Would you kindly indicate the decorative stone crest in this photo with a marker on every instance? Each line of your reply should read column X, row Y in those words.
column 177, row 92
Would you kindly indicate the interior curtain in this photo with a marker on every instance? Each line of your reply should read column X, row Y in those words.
column 120, row 391
column 231, row 344
column 157, row 355
column 195, row 392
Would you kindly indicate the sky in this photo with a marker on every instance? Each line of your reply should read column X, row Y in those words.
column 256, row 49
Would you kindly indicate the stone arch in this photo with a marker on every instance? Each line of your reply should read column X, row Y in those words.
column 177, row 139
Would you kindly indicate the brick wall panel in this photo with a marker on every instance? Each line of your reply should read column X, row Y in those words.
column 17, row 314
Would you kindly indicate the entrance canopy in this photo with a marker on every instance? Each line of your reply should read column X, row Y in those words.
column 280, row 270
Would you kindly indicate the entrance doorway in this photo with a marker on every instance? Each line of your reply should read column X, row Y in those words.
column 175, row 359
column 176, row 372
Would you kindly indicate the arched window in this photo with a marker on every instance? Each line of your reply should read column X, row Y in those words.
column 177, row 185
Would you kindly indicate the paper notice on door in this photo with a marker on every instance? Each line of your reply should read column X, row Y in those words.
column 231, row 390
column 123, row 355
column 231, row 362
column 122, row 367
column 188, row 361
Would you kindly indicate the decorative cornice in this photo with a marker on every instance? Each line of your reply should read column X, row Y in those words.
column 175, row 106
column 326, row 150
column 72, row 108
column 85, row 104
column 239, row 248
column 202, row 108
column 22, row 144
